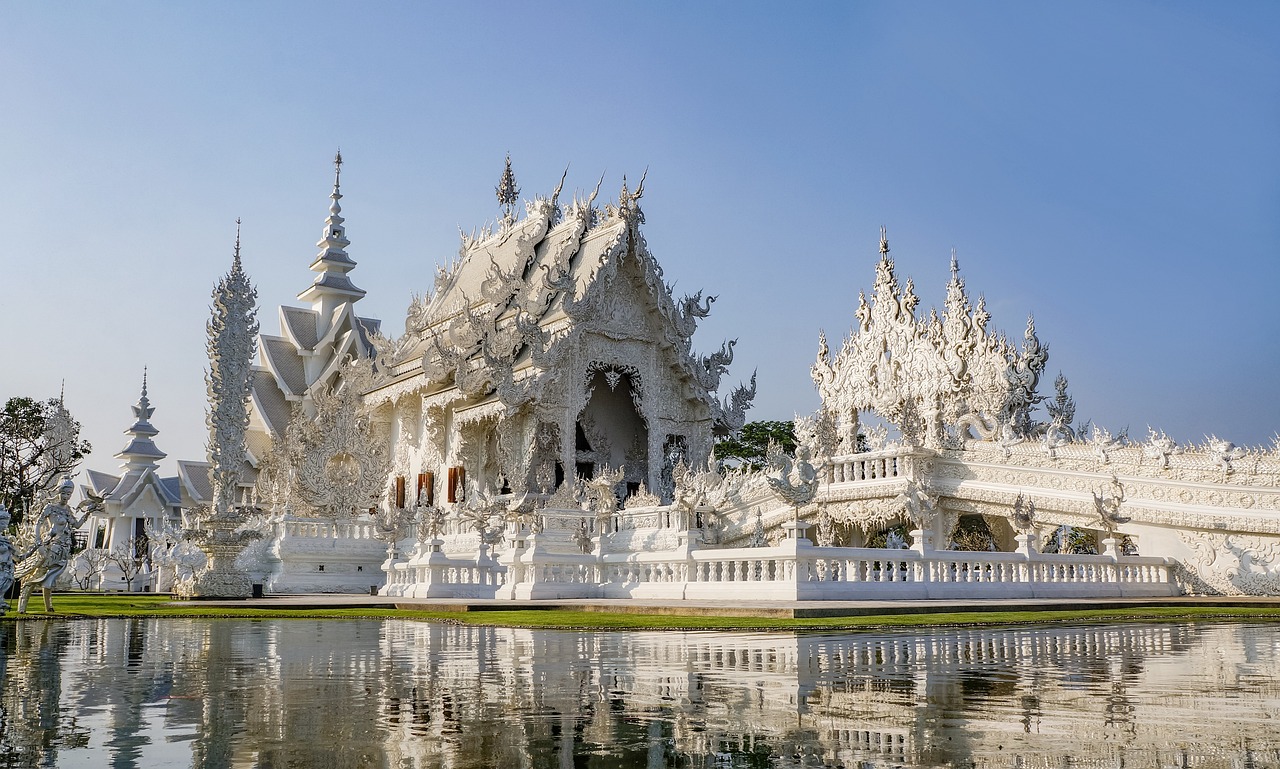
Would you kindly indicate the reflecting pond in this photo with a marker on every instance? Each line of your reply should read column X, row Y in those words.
column 370, row 693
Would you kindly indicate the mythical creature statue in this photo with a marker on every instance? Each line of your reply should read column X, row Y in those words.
column 1160, row 447
column 1024, row 514
column 920, row 506
column 390, row 526
column 430, row 520
column 1108, row 507
column 7, row 558
column 826, row 528
column 582, row 536
column 714, row 366
column 795, row 483
column 52, row 540
column 758, row 538
column 1223, row 453
column 480, row 511
column 602, row 497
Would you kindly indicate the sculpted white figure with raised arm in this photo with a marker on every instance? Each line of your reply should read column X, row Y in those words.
column 53, row 538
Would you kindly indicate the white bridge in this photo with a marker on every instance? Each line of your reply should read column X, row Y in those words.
column 1196, row 527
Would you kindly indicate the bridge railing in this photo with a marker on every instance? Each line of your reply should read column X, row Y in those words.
column 313, row 528
column 435, row 575
column 785, row 572
column 882, row 465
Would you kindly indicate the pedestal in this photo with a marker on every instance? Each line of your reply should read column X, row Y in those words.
column 796, row 533
column 922, row 540
column 1026, row 543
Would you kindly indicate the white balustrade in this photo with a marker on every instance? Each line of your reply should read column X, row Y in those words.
column 792, row 572
column 320, row 529
column 869, row 466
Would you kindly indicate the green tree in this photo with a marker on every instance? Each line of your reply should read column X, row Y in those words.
column 39, row 443
column 749, row 446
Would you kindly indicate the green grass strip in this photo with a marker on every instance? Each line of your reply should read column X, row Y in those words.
column 81, row 606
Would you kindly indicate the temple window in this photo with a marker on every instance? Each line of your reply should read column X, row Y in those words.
column 427, row 483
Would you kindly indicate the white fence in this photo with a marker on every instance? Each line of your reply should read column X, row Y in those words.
column 791, row 571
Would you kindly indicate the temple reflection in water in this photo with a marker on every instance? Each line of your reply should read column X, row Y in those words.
column 216, row 693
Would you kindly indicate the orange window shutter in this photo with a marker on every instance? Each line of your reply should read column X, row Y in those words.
column 427, row 482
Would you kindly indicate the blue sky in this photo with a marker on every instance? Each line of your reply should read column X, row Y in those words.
column 1112, row 167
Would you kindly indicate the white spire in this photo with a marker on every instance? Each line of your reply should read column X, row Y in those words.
column 141, row 452
column 332, row 286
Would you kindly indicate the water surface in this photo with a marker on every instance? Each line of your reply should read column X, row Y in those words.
column 408, row 694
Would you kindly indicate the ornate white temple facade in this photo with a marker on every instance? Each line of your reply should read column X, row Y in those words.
column 544, row 428
column 928, row 424
column 552, row 348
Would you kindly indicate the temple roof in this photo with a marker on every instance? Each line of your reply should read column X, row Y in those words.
column 526, row 287
column 282, row 359
column 270, row 401
column 300, row 325
column 194, row 477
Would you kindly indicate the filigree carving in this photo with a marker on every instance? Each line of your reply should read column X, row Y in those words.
column 922, row 375
column 1108, row 507
column 795, row 483
column 334, row 466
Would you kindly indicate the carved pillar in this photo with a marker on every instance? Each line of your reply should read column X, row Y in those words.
column 657, row 435
column 568, row 451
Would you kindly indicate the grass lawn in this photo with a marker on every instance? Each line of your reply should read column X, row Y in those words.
column 80, row 606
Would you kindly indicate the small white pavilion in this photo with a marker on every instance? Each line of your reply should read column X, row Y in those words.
column 138, row 496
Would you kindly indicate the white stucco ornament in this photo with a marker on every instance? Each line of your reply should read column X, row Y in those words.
column 219, row 529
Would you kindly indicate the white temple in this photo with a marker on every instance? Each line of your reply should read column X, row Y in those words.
column 543, row 428
column 136, row 502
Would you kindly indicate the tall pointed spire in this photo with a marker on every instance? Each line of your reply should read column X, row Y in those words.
column 235, row 265
column 141, row 452
column 332, row 286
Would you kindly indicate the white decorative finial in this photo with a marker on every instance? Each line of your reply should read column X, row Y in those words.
column 144, row 381
column 955, row 264
column 507, row 191
column 334, row 208
column 235, row 260
column 884, row 241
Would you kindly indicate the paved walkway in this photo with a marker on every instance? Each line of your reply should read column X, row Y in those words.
column 774, row 609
